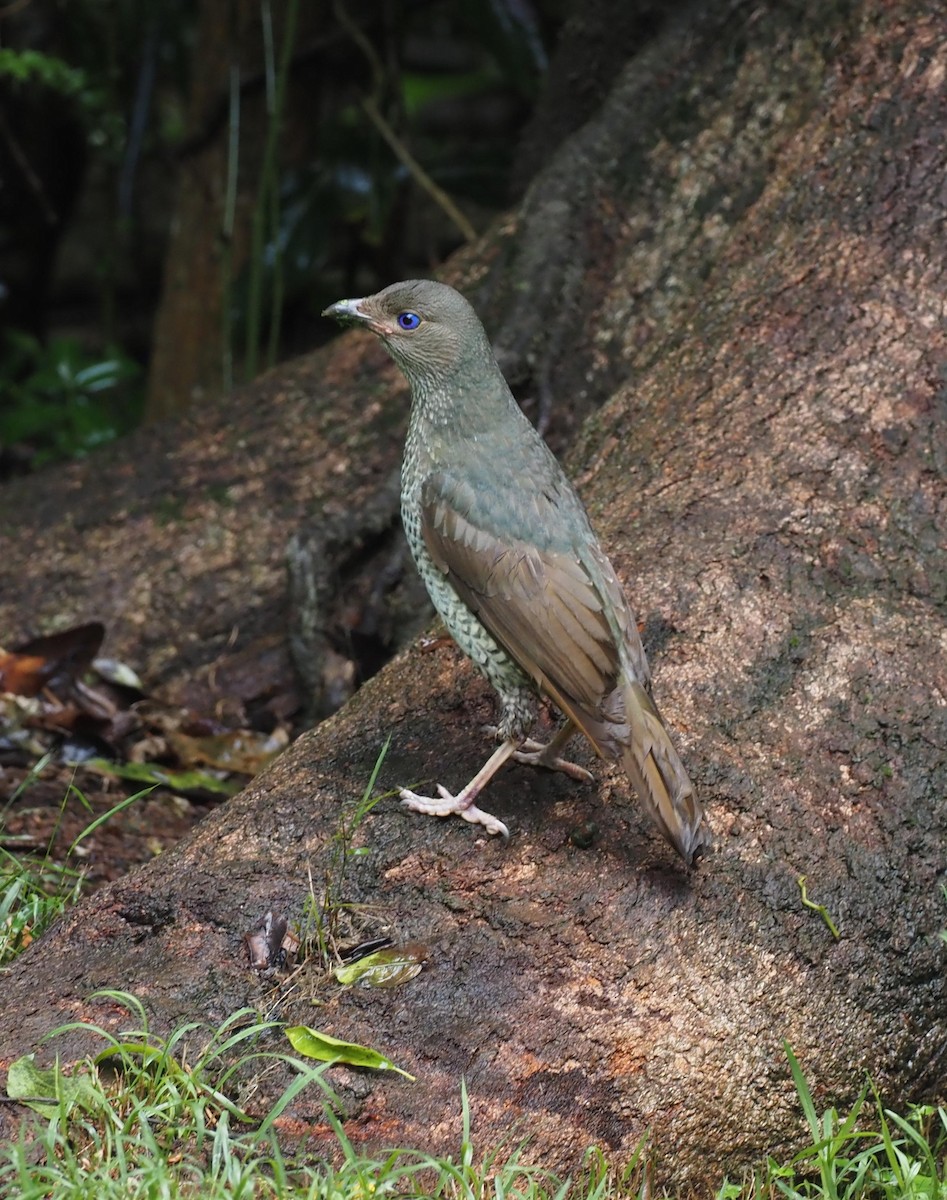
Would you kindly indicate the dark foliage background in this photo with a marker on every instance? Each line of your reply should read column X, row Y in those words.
column 357, row 143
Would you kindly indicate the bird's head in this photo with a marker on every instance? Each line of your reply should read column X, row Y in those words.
column 428, row 329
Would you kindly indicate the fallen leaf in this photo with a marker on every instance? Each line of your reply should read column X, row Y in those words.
column 314, row 1044
column 178, row 781
column 117, row 673
column 243, row 750
column 47, row 1091
column 385, row 968
column 52, row 662
column 264, row 942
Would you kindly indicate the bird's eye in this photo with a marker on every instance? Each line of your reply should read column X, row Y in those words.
column 409, row 320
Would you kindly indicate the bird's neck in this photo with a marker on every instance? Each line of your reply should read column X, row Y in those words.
column 472, row 399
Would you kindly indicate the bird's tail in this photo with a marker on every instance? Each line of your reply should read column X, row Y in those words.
column 657, row 773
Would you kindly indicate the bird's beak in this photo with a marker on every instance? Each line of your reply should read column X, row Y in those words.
column 345, row 310
column 350, row 312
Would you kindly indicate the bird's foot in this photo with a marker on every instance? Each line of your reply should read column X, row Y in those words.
column 541, row 754
column 546, row 754
column 449, row 805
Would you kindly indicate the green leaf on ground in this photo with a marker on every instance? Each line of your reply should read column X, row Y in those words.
column 47, row 1090
column 177, row 781
column 314, row 1044
column 385, row 968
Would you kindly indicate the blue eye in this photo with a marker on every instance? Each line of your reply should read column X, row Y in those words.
column 409, row 320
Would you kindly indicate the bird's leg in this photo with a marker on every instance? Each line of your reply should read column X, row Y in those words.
column 546, row 754
column 463, row 803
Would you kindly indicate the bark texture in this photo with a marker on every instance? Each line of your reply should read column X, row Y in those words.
column 747, row 240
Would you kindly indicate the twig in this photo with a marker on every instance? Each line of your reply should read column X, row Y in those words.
column 418, row 173
column 33, row 181
column 397, row 146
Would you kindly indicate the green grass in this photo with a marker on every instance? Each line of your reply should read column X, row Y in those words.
column 155, row 1117
column 869, row 1154
column 326, row 907
column 167, row 1118
column 33, row 893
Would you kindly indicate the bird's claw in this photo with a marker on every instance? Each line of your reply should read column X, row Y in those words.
column 543, row 754
column 450, row 805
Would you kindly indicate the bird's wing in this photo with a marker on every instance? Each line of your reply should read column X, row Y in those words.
column 544, row 605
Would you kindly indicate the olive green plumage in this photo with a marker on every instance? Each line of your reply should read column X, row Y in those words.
column 505, row 549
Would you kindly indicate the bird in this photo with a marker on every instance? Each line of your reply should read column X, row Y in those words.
column 509, row 558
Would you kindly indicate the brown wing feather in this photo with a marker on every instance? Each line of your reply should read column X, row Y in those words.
column 540, row 605
column 549, row 613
